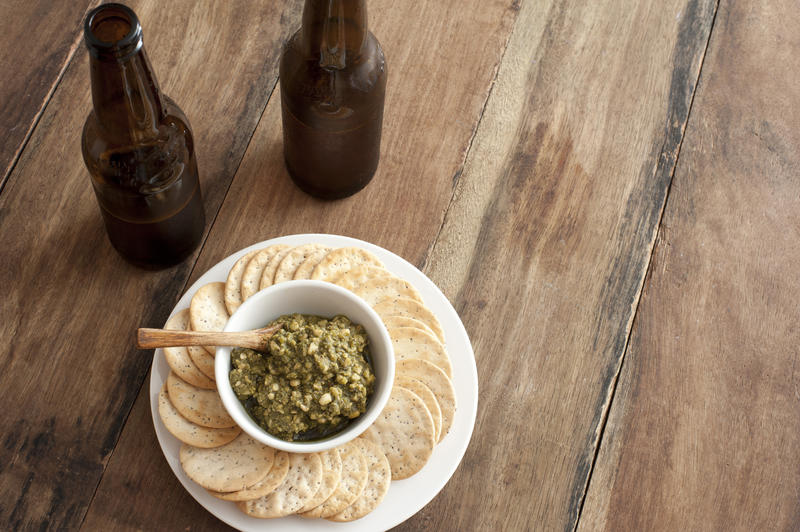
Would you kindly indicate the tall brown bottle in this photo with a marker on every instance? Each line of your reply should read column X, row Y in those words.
column 333, row 81
column 138, row 147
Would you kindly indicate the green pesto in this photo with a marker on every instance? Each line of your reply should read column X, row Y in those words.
column 312, row 381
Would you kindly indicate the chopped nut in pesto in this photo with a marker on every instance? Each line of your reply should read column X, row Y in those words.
column 314, row 378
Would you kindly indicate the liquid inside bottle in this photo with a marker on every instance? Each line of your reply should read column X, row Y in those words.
column 138, row 148
column 333, row 83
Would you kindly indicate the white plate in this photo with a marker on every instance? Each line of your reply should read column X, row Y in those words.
column 405, row 497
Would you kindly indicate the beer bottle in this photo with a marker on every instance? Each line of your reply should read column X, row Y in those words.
column 138, row 147
column 333, row 80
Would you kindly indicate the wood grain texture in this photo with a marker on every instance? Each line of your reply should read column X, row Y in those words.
column 71, row 305
column 704, row 431
column 549, row 234
column 428, row 124
column 429, row 120
column 37, row 39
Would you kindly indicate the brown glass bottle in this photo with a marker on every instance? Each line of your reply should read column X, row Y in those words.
column 138, row 147
column 333, row 81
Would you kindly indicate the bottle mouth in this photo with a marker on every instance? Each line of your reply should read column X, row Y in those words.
column 112, row 31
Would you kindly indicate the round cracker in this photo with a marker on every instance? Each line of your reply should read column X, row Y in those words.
column 427, row 396
column 304, row 270
column 268, row 275
column 233, row 284
column 341, row 260
column 203, row 360
column 354, row 478
column 378, row 480
column 251, row 278
column 297, row 256
column 179, row 359
column 232, row 467
column 404, row 321
column 412, row 309
column 198, row 405
column 388, row 287
column 410, row 342
column 188, row 432
column 405, row 433
column 331, row 476
column 268, row 484
column 300, row 485
column 435, row 379
column 207, row 311
column 354, row 278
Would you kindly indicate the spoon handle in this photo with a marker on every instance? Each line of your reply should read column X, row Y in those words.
column 151, row 338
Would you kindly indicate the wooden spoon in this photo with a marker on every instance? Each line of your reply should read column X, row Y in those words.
column 256, row 339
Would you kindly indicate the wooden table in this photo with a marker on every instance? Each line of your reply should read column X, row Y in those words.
column 608, row 192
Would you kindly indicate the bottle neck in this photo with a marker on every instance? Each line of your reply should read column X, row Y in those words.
column 125, row 95
column 335, row 30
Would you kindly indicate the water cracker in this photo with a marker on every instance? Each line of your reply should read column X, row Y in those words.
column 297, row 256
column 198, row 405
column 233, row 284
column 179, row 359
column 405, row 433
column 378, row 480
column 354, row 478
column 265, row 486
column 207, row 311
column 231, row 467
column 410, row 342
column 331, row 476
column 435, row 379
column 412, row 309
column 251, row 277
column 341, row 260
column 188, row 432
column 301, row 484
column 304, row 270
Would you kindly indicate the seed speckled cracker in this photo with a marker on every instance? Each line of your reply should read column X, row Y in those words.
column 354, row 478
column 405, row 433
column 413, row 309
column 305, row 269
column 300, row 485
column 265, row 486
column 387, row 287
column 207, row 311
column 343, row 259
column 378, row 480
column 200, row 406
column 268, row 275
column 233, row 284
column 410, row 342
column 435, row 379
column 188, row 432
column 251, row 278
column 297, row 256
column 231, row 467
column 179, row 358
column 424, row 393
column 331, row 476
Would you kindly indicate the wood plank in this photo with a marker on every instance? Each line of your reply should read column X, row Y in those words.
column 37, row 39
column 429, row 121
column 70, row 372
column 546, row 244
column 704, row 431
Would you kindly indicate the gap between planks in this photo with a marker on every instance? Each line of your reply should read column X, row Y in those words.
column 424, row 261
column 178, row 296
column 76, row 42
column 615, row 380
column 457, row 176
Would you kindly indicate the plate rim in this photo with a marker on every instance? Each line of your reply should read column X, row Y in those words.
column 470, row 370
